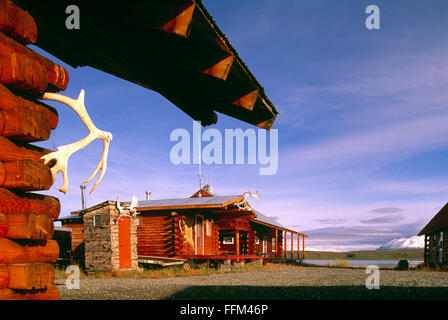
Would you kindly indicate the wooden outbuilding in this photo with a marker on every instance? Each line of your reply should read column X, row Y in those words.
column 436, row 238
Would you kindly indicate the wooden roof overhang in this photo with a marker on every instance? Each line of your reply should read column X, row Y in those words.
column 173, row 47
column 437, row 223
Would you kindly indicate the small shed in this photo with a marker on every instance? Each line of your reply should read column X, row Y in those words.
column 436, row 238
column 109, row 237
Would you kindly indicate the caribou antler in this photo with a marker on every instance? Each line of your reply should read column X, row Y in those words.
column 63, row 153
column 242, row 204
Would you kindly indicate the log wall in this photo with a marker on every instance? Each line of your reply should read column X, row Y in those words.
column 155, row 235
column 172, row 234
column 26, row 219
column 433, row 253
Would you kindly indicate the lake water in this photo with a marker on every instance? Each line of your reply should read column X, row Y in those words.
column 364, row 263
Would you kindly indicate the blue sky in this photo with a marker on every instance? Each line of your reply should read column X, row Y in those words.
column 363, row 140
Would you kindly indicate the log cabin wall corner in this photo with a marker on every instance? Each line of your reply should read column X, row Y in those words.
column 26, row 219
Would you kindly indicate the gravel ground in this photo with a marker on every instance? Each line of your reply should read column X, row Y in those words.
column 286, row 283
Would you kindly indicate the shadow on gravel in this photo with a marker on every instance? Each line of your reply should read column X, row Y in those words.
column 309, row 293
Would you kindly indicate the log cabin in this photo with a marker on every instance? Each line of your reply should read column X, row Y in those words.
column 436, row 239
column 207, row 226
column 203, row 227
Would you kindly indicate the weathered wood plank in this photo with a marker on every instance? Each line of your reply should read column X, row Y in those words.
column 24, row 124
column 25, row 175
column 17, row 22
column 29, row 276
column 10, row 101
column 4, row 276
column 28, row 251
column 25, row 202
column 3, row 225
column 50, row 293
column 23, row 72
column 57, row 76
column 12, row 151
column 29, row 226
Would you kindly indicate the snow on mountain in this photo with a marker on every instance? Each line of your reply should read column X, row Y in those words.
column 414, row 242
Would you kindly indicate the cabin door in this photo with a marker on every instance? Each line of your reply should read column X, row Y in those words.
column 124, row 242
column 441, row 248
column 199, row 235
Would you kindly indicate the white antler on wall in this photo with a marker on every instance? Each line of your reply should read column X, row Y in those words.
column 63, row 153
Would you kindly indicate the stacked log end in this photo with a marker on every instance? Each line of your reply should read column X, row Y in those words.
column 27, row 252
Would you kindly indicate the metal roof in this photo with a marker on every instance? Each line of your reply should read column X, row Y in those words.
column 70, row 217
column 187, row 202
column 263, row 218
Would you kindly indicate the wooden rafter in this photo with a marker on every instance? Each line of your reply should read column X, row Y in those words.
column 247, row 101
column 181, row 23
column 221, row 69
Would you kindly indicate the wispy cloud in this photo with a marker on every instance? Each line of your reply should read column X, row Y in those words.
column 331, row 221
column 384, row 143
column 387, row 210
column 391, row 218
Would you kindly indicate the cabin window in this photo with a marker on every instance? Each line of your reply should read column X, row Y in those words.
column 97, row 220
column 208, row 228
column 139, row 221
column 228, row 240
column 273, row 244
column 257, row 240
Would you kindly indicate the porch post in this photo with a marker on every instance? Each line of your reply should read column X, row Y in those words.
column 292, row 245
column 298, row 246
column 303, row 249
column 276, row 243
column 284, row 244
column 237, row 243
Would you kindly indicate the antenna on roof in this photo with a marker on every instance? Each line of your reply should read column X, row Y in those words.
column 200, row 164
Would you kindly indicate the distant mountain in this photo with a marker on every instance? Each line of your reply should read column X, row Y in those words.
column 414, row 242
